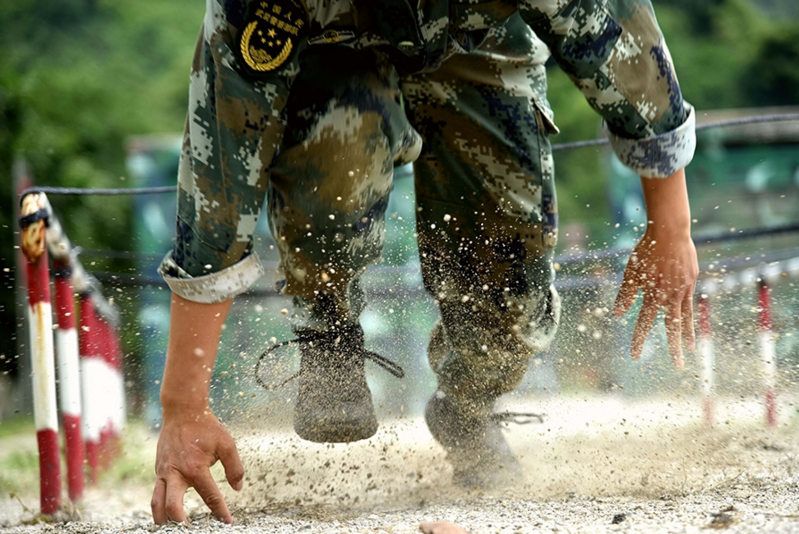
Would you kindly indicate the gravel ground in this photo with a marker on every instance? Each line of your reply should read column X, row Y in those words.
column 595, row 465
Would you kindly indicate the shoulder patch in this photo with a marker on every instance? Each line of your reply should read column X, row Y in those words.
column 271, row 33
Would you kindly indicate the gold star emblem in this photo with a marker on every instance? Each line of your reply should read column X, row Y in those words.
column 272, row 33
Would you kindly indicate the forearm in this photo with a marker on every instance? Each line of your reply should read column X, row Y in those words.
column 194, row 333
column 667, row 207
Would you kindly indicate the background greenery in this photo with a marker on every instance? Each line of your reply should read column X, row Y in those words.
column 78, row 77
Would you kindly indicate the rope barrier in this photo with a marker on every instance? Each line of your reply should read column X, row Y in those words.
column 748, row 120
column 118, row 254
column 557, row 147
column 747, row 234
column 710, row 270
column 86, row 191
column 699, row 127
column 739, row 235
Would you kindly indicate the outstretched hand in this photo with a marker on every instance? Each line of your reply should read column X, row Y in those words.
column 665, row 269
column 188, row 446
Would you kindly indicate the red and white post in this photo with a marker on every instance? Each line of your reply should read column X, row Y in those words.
column 34, row 214
column 102, row 384
column 114, row 392
column 92, row 382
column 119, row 407
column 706, row 356
column 768, row 354
column 69, row 377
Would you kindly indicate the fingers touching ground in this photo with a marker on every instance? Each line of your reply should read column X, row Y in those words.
column 441, row 527
column 234, row 472
column 187, row 448
column 157, row 504
column 211, row 496
column 167, row 501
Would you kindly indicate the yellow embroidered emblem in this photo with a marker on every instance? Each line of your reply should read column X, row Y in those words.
column 272, row 30
column 331, row 36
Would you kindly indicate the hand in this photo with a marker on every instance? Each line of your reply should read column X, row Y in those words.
column 441, row 527
column 664, row 268
column 187, row 447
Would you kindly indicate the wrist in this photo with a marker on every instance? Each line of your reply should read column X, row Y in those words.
column 669, row 227
column 667, row 207
column 184, row 402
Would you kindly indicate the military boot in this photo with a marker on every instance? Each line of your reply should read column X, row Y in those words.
column 334, row 403
column 471, row 435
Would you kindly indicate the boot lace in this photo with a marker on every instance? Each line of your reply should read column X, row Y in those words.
column 351, row 336
column 517, row 418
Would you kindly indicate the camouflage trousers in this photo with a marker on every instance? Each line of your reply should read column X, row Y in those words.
column 477, row 130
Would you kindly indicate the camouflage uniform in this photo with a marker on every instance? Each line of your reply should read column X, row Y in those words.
column 319, row 130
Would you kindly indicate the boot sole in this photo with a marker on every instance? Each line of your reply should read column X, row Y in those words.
column 337, row 426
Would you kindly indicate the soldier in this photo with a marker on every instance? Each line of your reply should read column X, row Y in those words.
column 301, row 104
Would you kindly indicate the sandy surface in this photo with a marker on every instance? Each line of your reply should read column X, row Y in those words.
column 594, row 465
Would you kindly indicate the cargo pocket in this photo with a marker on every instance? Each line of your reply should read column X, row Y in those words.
column 544, row 118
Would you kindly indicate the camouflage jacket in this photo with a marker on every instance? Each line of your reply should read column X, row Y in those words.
column 247, row 60
column 613, row 51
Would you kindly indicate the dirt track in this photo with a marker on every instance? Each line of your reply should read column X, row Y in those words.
column 598, row 465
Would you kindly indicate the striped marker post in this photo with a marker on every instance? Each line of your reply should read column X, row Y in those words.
column 118, row 405
column 113, row 394
column 69, row 377
column 102, row 381
column 34, row 214
column 707, row 357
column 767, row 352
column 92, row 377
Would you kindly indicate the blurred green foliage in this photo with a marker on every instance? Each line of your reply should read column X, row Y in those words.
column 77, row 77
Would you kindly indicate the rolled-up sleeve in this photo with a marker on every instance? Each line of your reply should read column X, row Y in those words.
column 213, row 287
column 660, row 155
column 615, row 54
